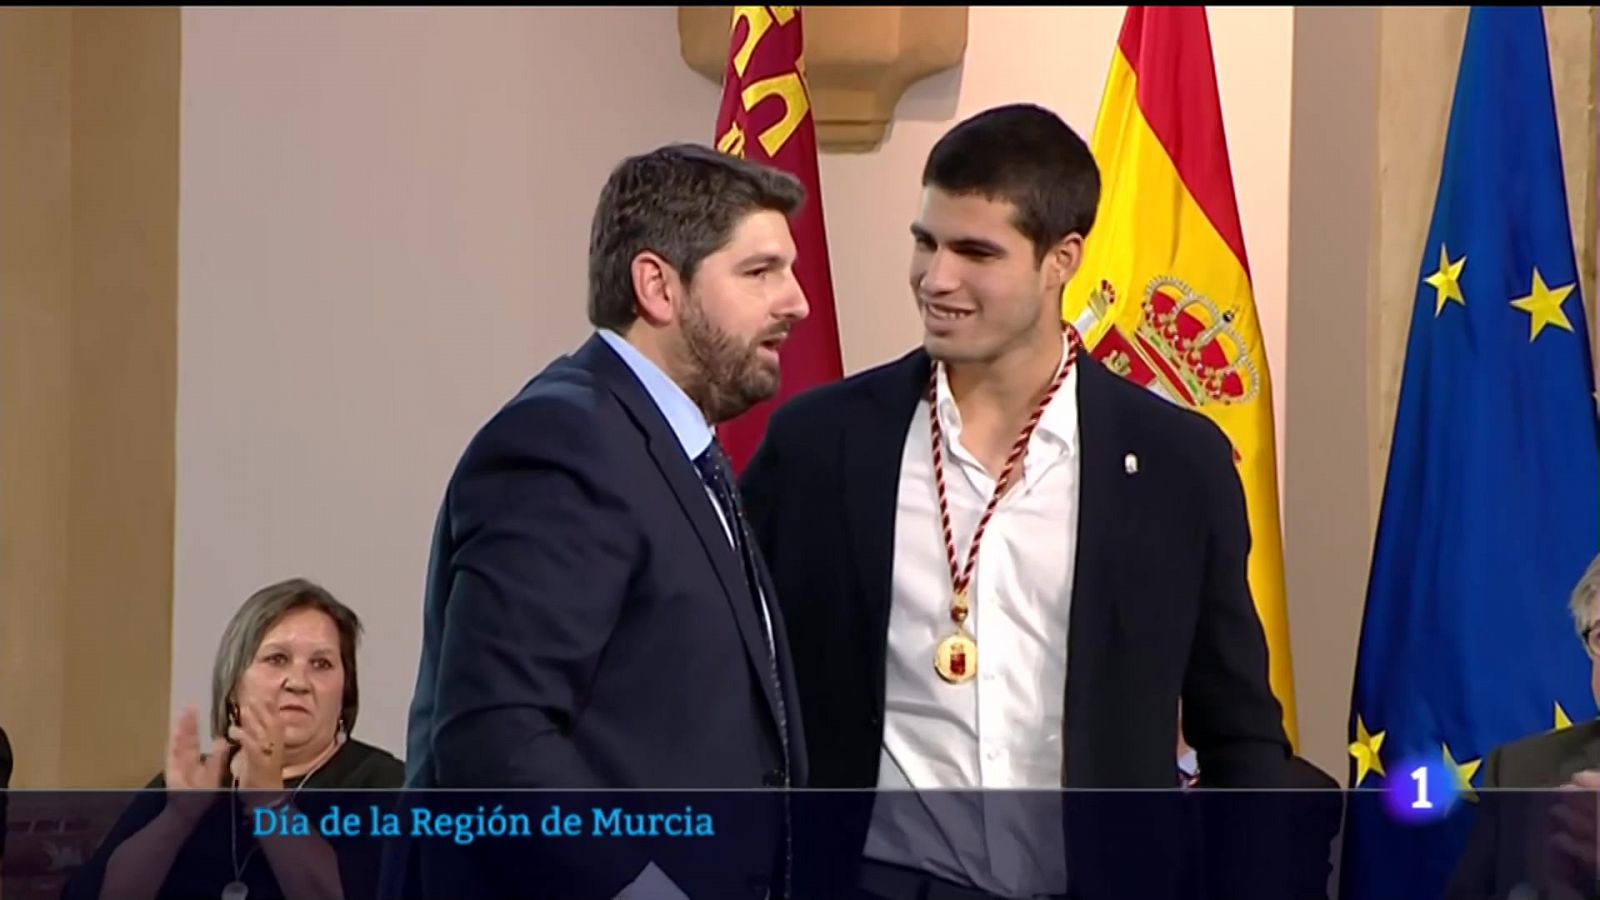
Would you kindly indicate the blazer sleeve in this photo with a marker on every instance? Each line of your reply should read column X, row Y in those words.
column 1230, row 715
column 543, row 551
column 1474, row 874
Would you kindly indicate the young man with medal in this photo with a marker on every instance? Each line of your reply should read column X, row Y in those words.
column 1002, row 565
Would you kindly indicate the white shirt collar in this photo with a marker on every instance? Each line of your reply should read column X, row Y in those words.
column 1059, row 420
column 688, row 423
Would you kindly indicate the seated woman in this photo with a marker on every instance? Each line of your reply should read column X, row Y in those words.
column 284, row 703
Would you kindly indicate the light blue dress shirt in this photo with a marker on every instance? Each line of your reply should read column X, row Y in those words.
column 687, row 421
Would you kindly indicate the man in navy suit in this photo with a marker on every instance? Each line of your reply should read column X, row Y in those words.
column 1030, row 562
column 597, row 615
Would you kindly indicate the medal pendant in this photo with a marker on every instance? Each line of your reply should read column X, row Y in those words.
column 956, row 658
column 235, row 890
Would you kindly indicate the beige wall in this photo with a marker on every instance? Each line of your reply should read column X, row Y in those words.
column 1333, row 200
column 384, row 226
column 35, row 380
column 88, row 293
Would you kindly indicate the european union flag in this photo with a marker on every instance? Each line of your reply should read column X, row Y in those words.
column 1491, row 509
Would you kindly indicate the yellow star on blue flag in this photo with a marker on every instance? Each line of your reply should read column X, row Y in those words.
column 1462, row 772
column 1447, row 281
column 1365, row 750
column 1543, row 306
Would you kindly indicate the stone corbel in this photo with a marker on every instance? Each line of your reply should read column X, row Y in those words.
column 859, row 60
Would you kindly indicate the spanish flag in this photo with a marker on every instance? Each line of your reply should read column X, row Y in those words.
column 1163, row 297
column 766, row 117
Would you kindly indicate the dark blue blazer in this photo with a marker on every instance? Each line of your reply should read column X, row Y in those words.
column 587, row 623
column 1161, row 610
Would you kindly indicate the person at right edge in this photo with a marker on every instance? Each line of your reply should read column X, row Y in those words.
column 1031, row 561
column 1535, row 832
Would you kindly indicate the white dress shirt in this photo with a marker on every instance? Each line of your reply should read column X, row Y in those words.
column 1003, row 729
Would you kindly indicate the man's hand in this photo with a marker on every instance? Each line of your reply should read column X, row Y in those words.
column 1571, row 851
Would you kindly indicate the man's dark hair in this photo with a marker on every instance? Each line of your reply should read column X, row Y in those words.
column 681, row 202
column 1026, row 155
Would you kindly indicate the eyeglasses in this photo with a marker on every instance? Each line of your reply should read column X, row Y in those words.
column 1591, row 640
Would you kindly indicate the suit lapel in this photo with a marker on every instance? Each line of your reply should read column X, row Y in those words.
column 1100, row 492
column 1584, row 756
column 697, row 505
column 799, row 767
column 871, row 461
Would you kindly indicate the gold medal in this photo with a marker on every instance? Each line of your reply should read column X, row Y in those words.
column 956, row 657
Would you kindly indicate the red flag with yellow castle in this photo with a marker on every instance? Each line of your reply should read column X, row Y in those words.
column 1163, row 296
column 766, row 117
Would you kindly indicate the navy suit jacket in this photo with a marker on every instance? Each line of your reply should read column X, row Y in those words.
column 587, row 622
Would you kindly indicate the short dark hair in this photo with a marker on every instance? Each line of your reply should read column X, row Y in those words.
column 255, row 618
column 1026, row 155
column 682, row 202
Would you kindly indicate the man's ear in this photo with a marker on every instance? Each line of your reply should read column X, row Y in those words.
column 1062, row 260
column 656, row 288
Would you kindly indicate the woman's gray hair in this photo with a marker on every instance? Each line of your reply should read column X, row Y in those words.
column 255, row 618
column 1583, row 597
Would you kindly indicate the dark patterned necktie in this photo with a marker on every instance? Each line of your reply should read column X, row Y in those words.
column 718, row 476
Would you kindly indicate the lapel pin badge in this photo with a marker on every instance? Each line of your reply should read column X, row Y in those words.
column 1130, row 464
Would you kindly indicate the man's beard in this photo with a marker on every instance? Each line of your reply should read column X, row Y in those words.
column 725, row 377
